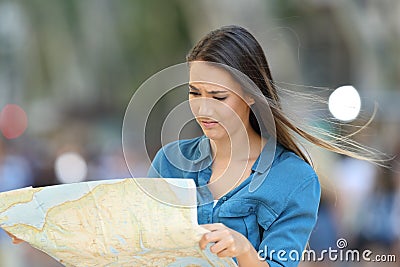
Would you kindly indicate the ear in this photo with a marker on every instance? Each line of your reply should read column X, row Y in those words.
column 250, row 100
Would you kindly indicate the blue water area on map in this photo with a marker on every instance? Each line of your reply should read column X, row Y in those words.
column 113, row 250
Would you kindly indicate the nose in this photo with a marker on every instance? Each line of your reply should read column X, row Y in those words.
column 205, row 107
column 202, row 107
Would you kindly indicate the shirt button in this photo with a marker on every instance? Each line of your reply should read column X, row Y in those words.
column 224, row 198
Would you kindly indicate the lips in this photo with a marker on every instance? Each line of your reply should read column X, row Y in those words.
column 209, row 123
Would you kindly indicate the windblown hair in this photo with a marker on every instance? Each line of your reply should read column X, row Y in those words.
column 237, row 48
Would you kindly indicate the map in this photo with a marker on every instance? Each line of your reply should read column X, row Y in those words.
column 111, row 223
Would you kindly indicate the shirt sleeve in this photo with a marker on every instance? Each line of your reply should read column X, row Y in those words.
column 284, row 240
column 155, row 167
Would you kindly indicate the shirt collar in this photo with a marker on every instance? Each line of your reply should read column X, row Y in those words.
column 271, row 151
column 269, row 154
column 204, row 151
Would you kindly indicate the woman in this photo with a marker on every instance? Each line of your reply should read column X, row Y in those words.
column 265, row 203
column 247, row 163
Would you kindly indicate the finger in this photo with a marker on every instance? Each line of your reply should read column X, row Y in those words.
column 226, row 243
column 17, row 240
column 213, row 226
column 203, row 241
column 225, row 253
column 213, row 236
column 14, row 239
column 9, row 234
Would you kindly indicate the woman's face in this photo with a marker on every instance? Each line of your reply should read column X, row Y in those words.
column 217, row 101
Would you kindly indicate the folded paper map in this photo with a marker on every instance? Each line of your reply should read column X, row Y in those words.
column 128, row 222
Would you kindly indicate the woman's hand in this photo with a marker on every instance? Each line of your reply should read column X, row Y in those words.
column 15, row 239
column 228, row 242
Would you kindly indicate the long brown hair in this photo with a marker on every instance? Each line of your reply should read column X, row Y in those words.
column 237, row 48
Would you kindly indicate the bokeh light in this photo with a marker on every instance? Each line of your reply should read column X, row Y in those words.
column 13, row 121
column 71, row 167
column 345, row 103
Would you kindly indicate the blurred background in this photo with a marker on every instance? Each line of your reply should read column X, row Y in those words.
column 68, row 69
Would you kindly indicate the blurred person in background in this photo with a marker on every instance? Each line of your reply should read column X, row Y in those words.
column 355, row 181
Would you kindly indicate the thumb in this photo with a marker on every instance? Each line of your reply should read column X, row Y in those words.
column 15, row 239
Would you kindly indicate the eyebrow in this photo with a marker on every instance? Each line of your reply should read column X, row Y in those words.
column 210, row 92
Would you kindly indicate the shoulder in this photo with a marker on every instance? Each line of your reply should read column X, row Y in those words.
column 178, row 158
column 289, row 179
column 291, row 169
column 191, row 149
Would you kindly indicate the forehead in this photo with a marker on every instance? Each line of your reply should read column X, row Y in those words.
column 205, row 74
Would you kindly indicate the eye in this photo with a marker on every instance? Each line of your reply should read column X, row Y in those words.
column 194, row 93
column 220, row 98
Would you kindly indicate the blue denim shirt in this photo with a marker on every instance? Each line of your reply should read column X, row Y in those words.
column 277, row 218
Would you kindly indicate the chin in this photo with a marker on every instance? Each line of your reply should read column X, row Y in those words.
column 214, row 135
